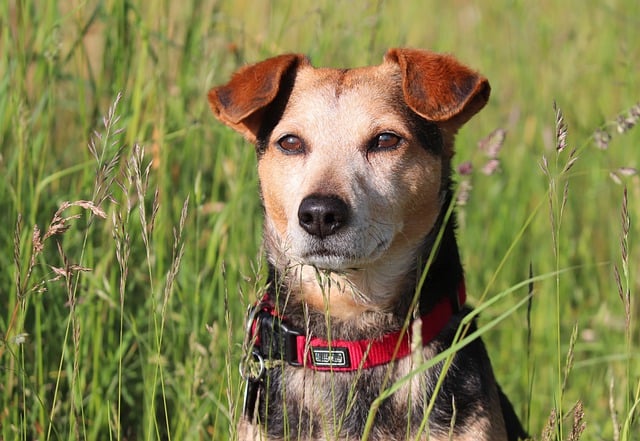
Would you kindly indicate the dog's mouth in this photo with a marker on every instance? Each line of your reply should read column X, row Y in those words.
column 325, row 259
column 329, row 257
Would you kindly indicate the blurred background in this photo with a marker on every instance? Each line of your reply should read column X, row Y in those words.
column 131, row 220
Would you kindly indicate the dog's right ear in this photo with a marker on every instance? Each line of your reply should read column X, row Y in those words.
column 241, row 103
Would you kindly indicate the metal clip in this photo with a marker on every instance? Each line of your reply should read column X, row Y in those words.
column 252, row 366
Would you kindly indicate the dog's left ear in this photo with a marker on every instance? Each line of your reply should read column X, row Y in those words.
column 439, row 88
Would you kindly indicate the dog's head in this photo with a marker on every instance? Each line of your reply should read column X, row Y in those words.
column 353, row 164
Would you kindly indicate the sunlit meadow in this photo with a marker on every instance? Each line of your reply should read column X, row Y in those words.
column 131, row 221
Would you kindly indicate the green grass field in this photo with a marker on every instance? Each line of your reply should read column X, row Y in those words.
column 130, row 232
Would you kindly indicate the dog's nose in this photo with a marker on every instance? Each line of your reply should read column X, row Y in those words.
column 322, row 215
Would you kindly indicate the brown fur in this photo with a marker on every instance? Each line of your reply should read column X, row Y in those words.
column 370, row 150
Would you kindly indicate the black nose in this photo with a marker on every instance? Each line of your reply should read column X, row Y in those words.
column 322, row 215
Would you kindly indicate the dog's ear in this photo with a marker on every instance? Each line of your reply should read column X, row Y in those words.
column 242, row 102
column 439, row 88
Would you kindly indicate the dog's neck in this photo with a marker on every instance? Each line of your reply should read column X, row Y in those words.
column 380, row 297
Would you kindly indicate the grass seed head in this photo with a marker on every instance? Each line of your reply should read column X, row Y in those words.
column 561, row 129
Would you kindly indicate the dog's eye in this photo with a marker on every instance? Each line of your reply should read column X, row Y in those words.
column 290, row 144
column 386, row 141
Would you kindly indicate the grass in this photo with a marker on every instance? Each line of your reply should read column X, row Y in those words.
column 131, row 223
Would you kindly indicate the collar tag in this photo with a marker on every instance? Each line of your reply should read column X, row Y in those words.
column 330, row 357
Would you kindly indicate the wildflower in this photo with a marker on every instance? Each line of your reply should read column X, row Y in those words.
column 464, row 189
column 491, row 167
column 465, row 169
column 627, row 171
column 492, row 144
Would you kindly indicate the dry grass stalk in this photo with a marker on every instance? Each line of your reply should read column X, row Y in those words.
column 140, row 176
column 612, row 410
column 550, row 428
column 569, row 361
column 622, row 281
column 578, row 422
column 178, row 253
column 623, row 123
column 561, row 129
column 58, row 225
column 100, row 146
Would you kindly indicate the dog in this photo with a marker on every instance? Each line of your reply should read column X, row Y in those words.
column 365, row 283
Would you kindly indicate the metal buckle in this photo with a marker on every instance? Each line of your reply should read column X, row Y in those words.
column 270, row 341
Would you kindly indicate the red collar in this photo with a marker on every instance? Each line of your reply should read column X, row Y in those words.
column 274, row 340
